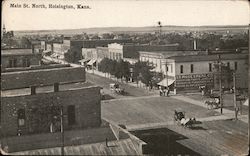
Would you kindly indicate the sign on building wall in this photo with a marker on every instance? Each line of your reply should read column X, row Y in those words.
column 194, row 80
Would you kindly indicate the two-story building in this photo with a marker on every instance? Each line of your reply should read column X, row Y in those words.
column 155, row 58
column 190, row 72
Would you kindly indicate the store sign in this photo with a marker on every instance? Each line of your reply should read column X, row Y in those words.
column 194, row 80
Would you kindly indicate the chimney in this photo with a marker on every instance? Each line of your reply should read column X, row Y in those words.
column 195, row 46
column 33, row 90
column 56, row 87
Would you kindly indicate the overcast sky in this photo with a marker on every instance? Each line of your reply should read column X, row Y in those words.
column 125, row 13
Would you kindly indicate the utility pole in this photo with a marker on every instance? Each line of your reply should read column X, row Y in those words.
column 235, row 99
column 62, row 131
column 167, row 73
column 248, row 91
column 220, row 73
column 159, row 23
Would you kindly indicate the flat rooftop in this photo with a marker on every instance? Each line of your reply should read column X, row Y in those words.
column 45, row 89
column 167, row 52
column 195, row 58
column 121, row 147
column 7, row 52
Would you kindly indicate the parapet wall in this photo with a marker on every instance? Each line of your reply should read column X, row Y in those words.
column 42, row 77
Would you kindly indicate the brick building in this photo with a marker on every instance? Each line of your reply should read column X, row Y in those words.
column 32, row 104
column 41, row 100
column 15, row 58
column 36, row 46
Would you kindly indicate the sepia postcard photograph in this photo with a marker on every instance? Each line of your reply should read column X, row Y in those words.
column 125, row 77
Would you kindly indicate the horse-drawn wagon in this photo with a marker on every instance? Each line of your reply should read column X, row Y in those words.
column 115, row 88
column 179, row 117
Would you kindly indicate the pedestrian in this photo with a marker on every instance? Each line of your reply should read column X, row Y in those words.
column 164, row 91
column 202, row 92
column 160, row 92
column 168, row 91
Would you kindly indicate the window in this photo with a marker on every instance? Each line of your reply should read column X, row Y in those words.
column 210, row 67
column 71, row 115
column 21, row 117
column 171, row 68
column 26, row 62
column 191, row 68
column 235, row 65
column 10, row 63
column 181, row 68
column 15, row 62
column 228, row 65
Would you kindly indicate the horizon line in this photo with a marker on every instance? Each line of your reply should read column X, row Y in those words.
column 231, row 25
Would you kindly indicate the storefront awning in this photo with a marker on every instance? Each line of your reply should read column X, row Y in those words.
column 46, row 51
column 84, row 60
column 54, row 55
column 166, row 82
column 91, row 62
column 61, row 57
column 153, row 70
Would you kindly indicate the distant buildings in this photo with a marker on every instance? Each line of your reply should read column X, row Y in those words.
column 119, row 51
column 103, row 42
column 6, row 34
column 75, row 48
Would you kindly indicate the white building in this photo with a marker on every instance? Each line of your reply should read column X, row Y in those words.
column 190, row 72
column 187, row 70
column 155, row 58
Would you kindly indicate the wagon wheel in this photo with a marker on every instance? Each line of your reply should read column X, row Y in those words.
column 174, row 118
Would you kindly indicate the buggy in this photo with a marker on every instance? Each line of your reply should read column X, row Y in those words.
column 212, row 103
column 179, row 117
column 115, row 88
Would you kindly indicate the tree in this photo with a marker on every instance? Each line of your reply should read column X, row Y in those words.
column 119, row 69
column 141, row 71
column 68, row 56
column 104, row 65
column 234, row 42
column 95, row 37
column 125, row 69
column 72, row 56
column 118, row 66
column 108, row 36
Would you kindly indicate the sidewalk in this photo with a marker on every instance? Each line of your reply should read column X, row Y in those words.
column 226, row 113
column 114, row 79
